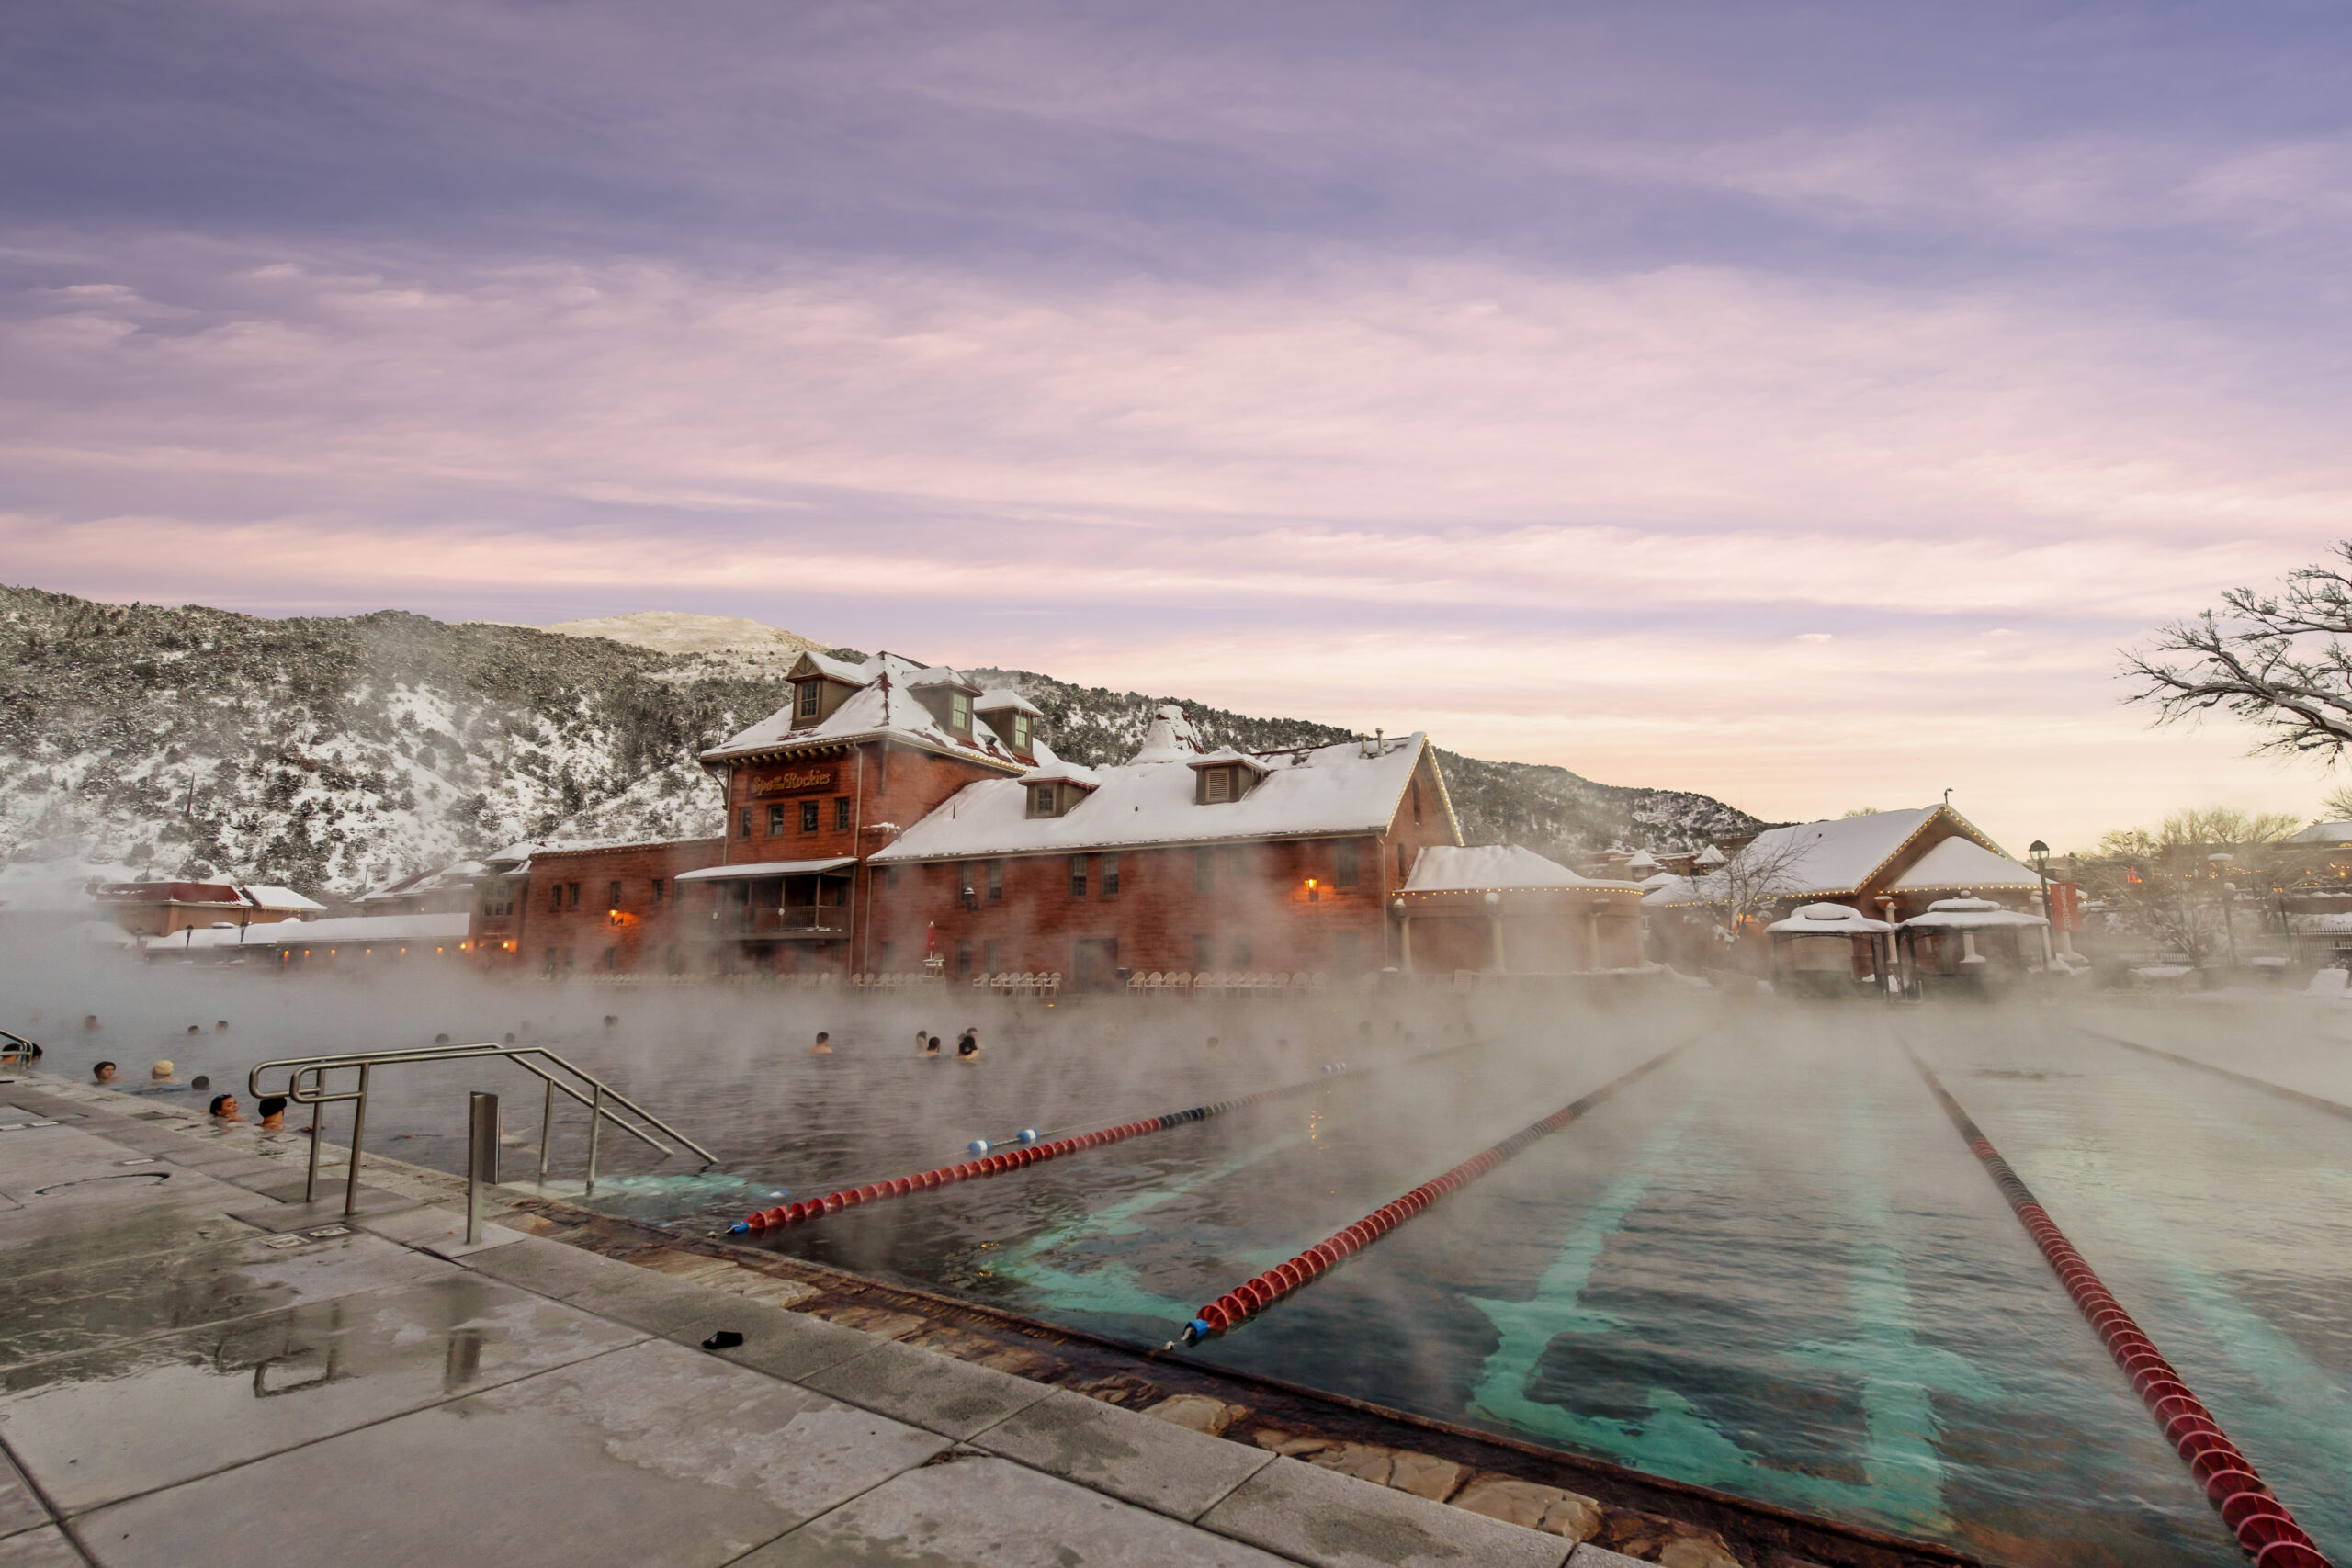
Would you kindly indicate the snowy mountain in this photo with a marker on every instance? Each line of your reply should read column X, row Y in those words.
column 334, row 754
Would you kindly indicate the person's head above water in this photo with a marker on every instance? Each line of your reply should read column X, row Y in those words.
column 103, row 1072
column 272, row 1111
column 824, row 1046
column 201, row 1082
column 224, row 1106
column 161, row 1071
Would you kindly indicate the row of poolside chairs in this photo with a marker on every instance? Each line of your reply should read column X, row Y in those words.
column 1025, row 982
column 1234, row 980
column 896, row 980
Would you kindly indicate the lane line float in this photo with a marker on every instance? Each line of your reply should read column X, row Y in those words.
column 998, row 1161
column 1254, row 1295
column 2264, row 1527
column 2263, row 1085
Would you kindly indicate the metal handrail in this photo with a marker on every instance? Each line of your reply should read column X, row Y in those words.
column 306, row 1085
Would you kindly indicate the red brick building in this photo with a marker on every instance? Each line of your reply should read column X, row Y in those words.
column 559, row 909
column 1175, row 861
column 896, row 814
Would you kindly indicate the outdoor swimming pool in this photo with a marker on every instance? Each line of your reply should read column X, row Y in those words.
column 1770, row 1267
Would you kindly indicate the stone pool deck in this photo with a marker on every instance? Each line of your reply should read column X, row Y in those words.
column 196, row 1368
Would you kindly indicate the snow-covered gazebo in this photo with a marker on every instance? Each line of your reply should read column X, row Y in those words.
column 1831, row 949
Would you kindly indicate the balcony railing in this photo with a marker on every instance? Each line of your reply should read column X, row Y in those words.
column 799, row 919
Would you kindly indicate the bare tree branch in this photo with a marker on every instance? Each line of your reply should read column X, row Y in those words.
column 2279, row 661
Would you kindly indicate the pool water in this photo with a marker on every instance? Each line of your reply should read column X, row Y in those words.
column 1770, row 1267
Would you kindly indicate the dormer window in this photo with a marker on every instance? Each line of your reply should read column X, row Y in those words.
column 812, row 697
column 959, row 711
column 1021, row 732
column 1045, row 800
column 1216, row 784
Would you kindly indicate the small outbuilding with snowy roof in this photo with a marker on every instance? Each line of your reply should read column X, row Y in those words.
column 1502, row 908
column 1885, row 866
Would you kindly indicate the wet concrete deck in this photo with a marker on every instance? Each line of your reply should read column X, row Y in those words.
column 197, row 1369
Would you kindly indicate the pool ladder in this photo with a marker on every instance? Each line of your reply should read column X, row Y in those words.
column 306, row 1084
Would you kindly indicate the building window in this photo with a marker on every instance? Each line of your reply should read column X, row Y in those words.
column 841, row 813
column 890, row 877
column 988, row 950
column 996, row 882
column 1216, row 784
column 959, row 711
column 1344, row 864
column 1203, row 951
column 1078, row 876
column 572, row 892
column 554, row 959
column 1347, row 954
column 612, row 959
column 807, row 816
column 744, row 823
column 1237, row 859
column 617, row 897
column 1400, row 862
column 658, row 890
column 1021, row 732
column 1417, row 803
column 554, row 901
column 963, row 958
column 964, row 878
column 1041, row 800
column 1110, row 874
column 812, row 697
column 1241, row 952
column 567, row 959
column 776, row 820
column 1204, row 870
column 672, row 960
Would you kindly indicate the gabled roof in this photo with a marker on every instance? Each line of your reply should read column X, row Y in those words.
column 884, row 706
column 1227, row 757
column 1959, row 864
column 1499, row 868
column 1319, row 792
column 1004, row 699
column 1835, row 858
column 2322, row 833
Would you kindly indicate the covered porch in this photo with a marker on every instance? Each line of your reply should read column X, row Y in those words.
column 775, row 914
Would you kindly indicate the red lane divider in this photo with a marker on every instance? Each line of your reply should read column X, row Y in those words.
column 1254, row 1295
column 2265, row 1529
column 1014, row 1159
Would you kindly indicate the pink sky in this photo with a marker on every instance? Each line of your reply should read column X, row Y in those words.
column 1810, row 448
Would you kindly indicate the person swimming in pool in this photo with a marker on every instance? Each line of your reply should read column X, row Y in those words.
column 824, row 1046
column 967, row 1044
column 926, row 1044
column 273, row 1114
column 103, row 1072
column 224, row 1108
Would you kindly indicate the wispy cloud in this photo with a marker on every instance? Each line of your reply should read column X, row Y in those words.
column 1699, row 400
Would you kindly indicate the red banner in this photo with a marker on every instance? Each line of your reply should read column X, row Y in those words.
column 2065, row 907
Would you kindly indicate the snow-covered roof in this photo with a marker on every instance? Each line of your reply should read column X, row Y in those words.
column 1643, row 865
column 754, row 869
column 1963, row 864
column 1227, row 757
column 1969, row 914
column 1663, row 879
column 263, row 895
column 463, row 873
column 1711, row 856
column 1840, row 857
column 2322, row 833
column 1829, row 919
column 1318, row 791
column 364, row 930
column 1004, row 699
column 825, row 664
column 1059, row 772
column 884, row 705
column 1449, row 868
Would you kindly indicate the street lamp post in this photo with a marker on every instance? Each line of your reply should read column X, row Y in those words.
column 2040, row 853
column 2221, row 862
